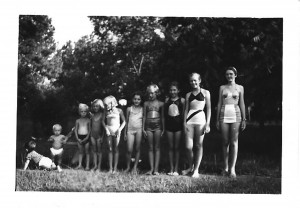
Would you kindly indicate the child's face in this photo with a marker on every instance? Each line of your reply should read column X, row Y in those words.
column 96, row 108
column 57, row 131
column 109, row 106
column 195, row 81
column 173, row 91
column 136, row 100
column 152, row 94
column 83, row 113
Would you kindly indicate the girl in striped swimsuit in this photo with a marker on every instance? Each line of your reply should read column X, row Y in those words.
column 230, row 119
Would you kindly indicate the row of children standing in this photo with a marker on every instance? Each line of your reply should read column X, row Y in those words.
column 173, row 117
column 151, row 120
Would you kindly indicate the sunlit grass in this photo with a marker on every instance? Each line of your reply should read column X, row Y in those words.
column 89, row 181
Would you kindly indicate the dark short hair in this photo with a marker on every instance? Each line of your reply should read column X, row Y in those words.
column 232, row 69
column 175, row 84
column 136, row 93
column 30, row 145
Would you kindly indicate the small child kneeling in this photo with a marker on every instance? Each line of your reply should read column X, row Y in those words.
column 40, row 160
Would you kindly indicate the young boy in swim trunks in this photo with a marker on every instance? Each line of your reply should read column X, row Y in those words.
column 113, row 129
column 82, row 134
column 58, row 140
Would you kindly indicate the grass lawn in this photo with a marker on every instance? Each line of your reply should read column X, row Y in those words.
column 258, row 168
column 90, row 181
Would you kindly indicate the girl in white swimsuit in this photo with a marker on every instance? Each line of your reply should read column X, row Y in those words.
column 195, row 123
column 133, row 131
column 113, row 129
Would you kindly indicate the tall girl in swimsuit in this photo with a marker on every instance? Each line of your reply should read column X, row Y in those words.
column 153, row 126
column 97, row 131
column 113, row 129
column 174, row 109
column 195, row 123
column 230, row 118
column 133, row 130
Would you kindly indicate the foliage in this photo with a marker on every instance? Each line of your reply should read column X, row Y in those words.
column 35, row 66
column 125, row 54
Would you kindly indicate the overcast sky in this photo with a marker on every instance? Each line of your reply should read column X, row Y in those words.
column 70, row 28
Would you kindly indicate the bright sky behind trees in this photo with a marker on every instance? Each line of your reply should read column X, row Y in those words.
column 70, row 28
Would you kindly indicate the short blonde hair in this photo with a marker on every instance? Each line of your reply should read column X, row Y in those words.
column 110, row 100
column 98, row 102
column 83, row 106
column 155, row 87
column 56, row 126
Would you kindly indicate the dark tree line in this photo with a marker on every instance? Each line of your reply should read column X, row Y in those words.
column 124, row 54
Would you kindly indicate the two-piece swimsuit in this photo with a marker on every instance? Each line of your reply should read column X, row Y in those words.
column 196, row 116
column 230, row 110
column 153, row 121
column 174, row 115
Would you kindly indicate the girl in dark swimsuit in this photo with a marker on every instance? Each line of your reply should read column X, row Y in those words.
column 174, row 106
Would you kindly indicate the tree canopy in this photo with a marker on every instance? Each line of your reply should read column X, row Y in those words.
column 125, row 54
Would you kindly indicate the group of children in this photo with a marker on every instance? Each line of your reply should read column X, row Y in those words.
column 151, row 120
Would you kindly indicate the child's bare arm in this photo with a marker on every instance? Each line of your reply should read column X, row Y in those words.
column 76, row 131
column 26, row 164
column 51, row 139
column 163, row 117
column 144, row 118
column 122, row 119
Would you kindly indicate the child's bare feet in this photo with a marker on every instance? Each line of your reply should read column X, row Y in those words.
column 94, row 168
column 195, row 174
column 87, row 168
column 134, row 171
column 149, row 172
column 126, row 170
column 79, row 167
column 187, row 171
column 110, row 171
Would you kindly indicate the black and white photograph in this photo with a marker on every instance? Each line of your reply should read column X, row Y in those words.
column 196, row 104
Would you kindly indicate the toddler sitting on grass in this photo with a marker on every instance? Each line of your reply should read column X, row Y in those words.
column 40, row 160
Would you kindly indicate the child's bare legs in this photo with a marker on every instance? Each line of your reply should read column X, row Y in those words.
column 138, row 139
column 170, row 136
column 225, row 144
column 87, row 155
column 110, row 153
column 189, row 137
column 80, row 147
column 99, row 147
column 116, row 150
column 234, row 134
column 157, row 135
column 130, row 142
column 198, row 145
column 176, row 148
column 150, row 153
column 94, row 151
